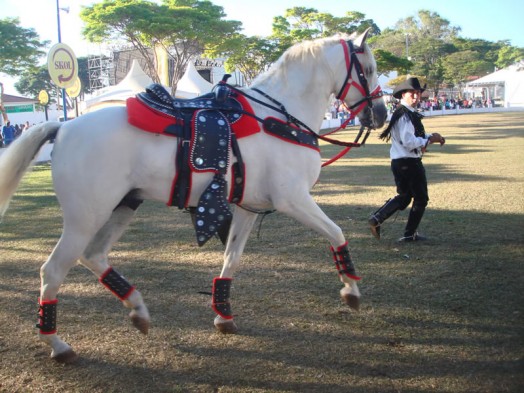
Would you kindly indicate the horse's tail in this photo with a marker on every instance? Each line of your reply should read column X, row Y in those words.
column 17, row 158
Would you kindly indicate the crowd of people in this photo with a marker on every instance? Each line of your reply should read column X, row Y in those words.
column 11, row 132
column 338, row 110
column 445, row 103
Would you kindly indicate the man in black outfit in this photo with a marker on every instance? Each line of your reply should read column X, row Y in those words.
column 408, row 143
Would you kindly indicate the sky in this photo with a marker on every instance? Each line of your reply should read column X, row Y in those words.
column 484, row 19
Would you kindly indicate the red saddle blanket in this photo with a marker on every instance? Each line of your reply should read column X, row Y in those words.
column 152, row 120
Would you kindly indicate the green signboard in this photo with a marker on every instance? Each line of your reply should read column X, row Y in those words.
column 19, row 108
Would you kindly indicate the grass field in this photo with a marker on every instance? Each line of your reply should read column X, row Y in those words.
column 443, row 316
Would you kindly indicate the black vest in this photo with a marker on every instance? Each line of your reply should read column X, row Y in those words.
column 414, row 117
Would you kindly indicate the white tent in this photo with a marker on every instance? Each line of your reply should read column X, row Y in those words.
column 135, row 82
column 512, row 81
column 192, row 84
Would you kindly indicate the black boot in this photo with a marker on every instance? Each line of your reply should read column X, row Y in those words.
column 415, row 216
column 381, row 215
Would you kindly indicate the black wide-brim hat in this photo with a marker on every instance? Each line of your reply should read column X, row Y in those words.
column 408, row 84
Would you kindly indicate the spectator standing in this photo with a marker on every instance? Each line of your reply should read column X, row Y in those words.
column 8, row 133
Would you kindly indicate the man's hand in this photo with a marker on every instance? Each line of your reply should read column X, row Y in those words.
column 437, row 138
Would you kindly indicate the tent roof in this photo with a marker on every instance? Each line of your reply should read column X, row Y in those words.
column 510, row 73
column 136, row 79
column 192, row 84
column 134, row 82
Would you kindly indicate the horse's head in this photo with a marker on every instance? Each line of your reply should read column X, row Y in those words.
column 359, row 87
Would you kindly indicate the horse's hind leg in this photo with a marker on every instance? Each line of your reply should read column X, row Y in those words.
column 52, row 275
column 239, row 231
column 91, row 247
column 95, row 259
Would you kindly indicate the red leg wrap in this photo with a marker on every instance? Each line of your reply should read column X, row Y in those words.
column 47, row 316
column 343, row 262
column 116, row 283
column 220, row 293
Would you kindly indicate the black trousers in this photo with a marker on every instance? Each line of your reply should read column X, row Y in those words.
column 411, row 182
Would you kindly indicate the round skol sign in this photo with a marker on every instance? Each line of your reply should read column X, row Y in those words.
column 74, row 90
column 62, row 66
column 43, row 97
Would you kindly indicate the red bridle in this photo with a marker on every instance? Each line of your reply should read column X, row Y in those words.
column 350, row 56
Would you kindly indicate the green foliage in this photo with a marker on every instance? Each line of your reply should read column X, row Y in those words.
column 300, row 23
column 387, row 61
column 459, row 66
column 34, row 80
column 508, row 55
column 250, row 55
column 437, row 53
column 183, row 29
column 20, row 48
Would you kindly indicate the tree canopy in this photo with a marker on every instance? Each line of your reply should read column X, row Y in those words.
column 20, row 48
column 424, row 44
column 182, row 29
column 438, row 54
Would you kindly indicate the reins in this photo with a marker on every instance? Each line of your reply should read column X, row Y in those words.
column 350, row 56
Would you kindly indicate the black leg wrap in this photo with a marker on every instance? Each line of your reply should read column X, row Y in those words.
column 47, row 316
column 220, row 292
column 343, row 262
column 116, row 283
column 387, row 210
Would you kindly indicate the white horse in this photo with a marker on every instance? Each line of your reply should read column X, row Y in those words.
column 103, row 167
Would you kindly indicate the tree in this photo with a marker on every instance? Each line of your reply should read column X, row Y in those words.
column 250, row 55
column 459, row 66
column 33, row 81
column 20, row 49
column 387, row 62
column 183, row 29
column 300, row 23
column 508, row 55
column 423, row 39
column 253, row 55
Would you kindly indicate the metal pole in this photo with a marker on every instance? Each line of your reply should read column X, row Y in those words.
column 64, row 102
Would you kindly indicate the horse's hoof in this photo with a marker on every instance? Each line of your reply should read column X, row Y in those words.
column 66, row 357
column 141, row 324
column 352, row 301
column 227, row 327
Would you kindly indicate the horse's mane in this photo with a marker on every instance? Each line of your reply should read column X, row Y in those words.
column 300, row 53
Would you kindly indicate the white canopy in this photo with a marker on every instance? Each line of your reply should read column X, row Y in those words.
column 135, row 81
column 190, row 85
column 512, row 78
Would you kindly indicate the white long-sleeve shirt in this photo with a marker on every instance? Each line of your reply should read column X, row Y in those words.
column 404, row 143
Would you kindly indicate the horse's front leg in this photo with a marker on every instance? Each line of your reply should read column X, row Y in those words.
column 241, row 227
column 305, row 210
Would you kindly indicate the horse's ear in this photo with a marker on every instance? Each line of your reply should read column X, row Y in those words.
column 361, row 39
